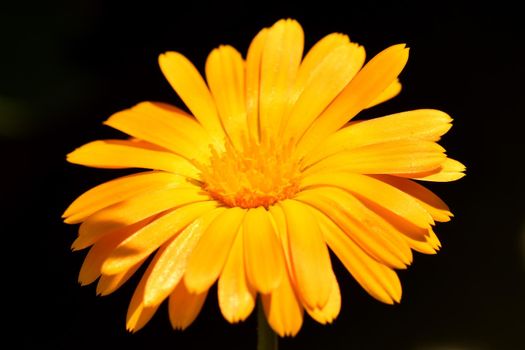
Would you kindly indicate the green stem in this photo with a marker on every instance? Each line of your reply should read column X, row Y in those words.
column 266, row 337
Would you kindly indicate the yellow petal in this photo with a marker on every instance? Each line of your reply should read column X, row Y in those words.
column 386, row 196
column 225, row 75
column 375, row 77
column 145, row 144
column 119, row 154
column 421, row 124
column 363, row 226
column 189, row 85
column 390, row 92
column 133, row 210
column 91, row 268
column 378, row 280
column 433, row 240
column 282, row 309
column 450, row 170
column 253, row 79
column 279, row 222
column 148, row 239
column 262, row 251
column 184, row 307
column 309, row 254
column 107, row 284
column 415, row 237
column 138, row 314
column 401, row 225
column 331, row 310
column 428, row 200
column 281, row 57
column 118, row 190
column 209, row 256
column 318, row 83
column 397, row 157
column 171, row 265
column 423, row 247
column 236, row 297
column 319, row 52
column 164, row 125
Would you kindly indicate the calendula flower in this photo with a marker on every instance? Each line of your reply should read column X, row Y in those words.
column 267, row 173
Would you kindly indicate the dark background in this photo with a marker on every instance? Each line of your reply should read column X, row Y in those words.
column 65, row 68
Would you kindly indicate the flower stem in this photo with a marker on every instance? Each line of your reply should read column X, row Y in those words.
column 266, row 337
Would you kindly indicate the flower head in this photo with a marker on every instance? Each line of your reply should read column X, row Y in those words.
column 267, row 173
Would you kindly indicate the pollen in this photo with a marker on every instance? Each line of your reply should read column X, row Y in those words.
column 258, row 174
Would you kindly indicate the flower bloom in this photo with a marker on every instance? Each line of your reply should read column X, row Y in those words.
column 264, row 177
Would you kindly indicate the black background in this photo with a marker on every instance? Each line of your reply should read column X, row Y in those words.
column 65, row 68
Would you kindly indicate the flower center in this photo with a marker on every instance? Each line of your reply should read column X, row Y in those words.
column 260, row 174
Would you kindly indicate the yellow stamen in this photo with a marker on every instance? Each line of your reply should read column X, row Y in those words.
column 259, row 174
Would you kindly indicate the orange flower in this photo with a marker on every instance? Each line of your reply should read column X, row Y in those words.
column 267, row 175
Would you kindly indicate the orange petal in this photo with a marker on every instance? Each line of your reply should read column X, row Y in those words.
column 363, row 226
column 319, row 52
column 225, row 75
column 107, row 284
column 366, row 86
column 433, row 240
column 164, row 125
column 330, row 311
column 253, row 80
column 390, row 92
column 421, row 124
column 209, row 256
column 279, row 222
column 283, row 48
column 396, row 157
column 92, row 266
column 184, row 307
column 236, row 297
column 386, row 196
column 415, row 237
column 428, row 200
column 423, row 247
column 148, row 239
column 135, row 209
column 114, row 191
column 119, row 154
column 189, row 85
column 172, row 263
column 378, row 280
column 309, row 254
column 282, row 309
column 450, row 170
column 138, row 314
column 320, row 79
column 262, row 251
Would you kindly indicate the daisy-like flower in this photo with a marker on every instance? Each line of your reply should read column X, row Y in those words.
column 267, row 173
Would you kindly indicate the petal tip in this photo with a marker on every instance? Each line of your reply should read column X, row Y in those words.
column 76, row 245
column 194, row 285
column 131, row 329
column 179, row 327
column 151, row 301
